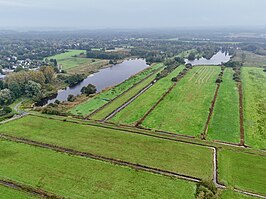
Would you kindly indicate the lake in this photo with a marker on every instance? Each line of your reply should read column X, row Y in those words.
column 217, row 59
column 103, row 79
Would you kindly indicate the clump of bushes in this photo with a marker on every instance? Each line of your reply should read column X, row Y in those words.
column 206, row 190
column 88, row 90
column 220, row 76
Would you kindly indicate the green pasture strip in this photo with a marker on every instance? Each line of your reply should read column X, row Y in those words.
column 224, row 123
column 76, row 177
column 177, row 157
column 185, row 109
column 102, row 98
column 243, row 171
column 137, row 109
column 254, row 91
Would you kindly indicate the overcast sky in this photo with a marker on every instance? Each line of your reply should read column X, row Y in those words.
column 132, row 13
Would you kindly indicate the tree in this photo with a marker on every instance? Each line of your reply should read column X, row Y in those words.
column 71, row 98
column 191, row 56
column 37, row 76
column 15, row 88
column 2, row 85
column 5, row 97
column 48, row 73
column 90, row 89
column 33, row 90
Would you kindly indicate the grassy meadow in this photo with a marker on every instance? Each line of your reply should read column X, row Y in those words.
column 242, row 170
column 254, row 91
column 104, row 97
column 73, row 63
column 76, row 177
column 177, row 157
column 185, row 109
column 224, row 123
column 137, row 109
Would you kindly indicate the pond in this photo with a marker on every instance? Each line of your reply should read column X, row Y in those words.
column 103, row 79
column 217, row 59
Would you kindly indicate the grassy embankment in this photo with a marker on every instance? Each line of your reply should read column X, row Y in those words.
column 76, row 177
column 254, row 91
column 242, row 170
column 73, row 63
column 9, row 193
column 177, row 157
column 137, row 109
column 224, row 124
column 104, row 97
column 186, row 108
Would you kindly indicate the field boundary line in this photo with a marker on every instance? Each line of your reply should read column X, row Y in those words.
column 179, row 77
column 109, row 102
column 29, row 189
column 99, row 157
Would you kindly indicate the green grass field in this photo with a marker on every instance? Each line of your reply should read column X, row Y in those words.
column 137, row 109
column 242, row 170
column 9, row 193
column 102, row 98
column 254, row 91
column 185, row 109
column 72, row 63
column 224, row 124
column 75, row 177
column 178, row 157
column 229, row 194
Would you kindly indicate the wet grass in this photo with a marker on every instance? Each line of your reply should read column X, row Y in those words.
column 167, row 155
column 224, row 124
column 137, row 109
column 254, row 91
column 76, row 177
column 104, row 97
column 243, row 171
column 185, row 109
